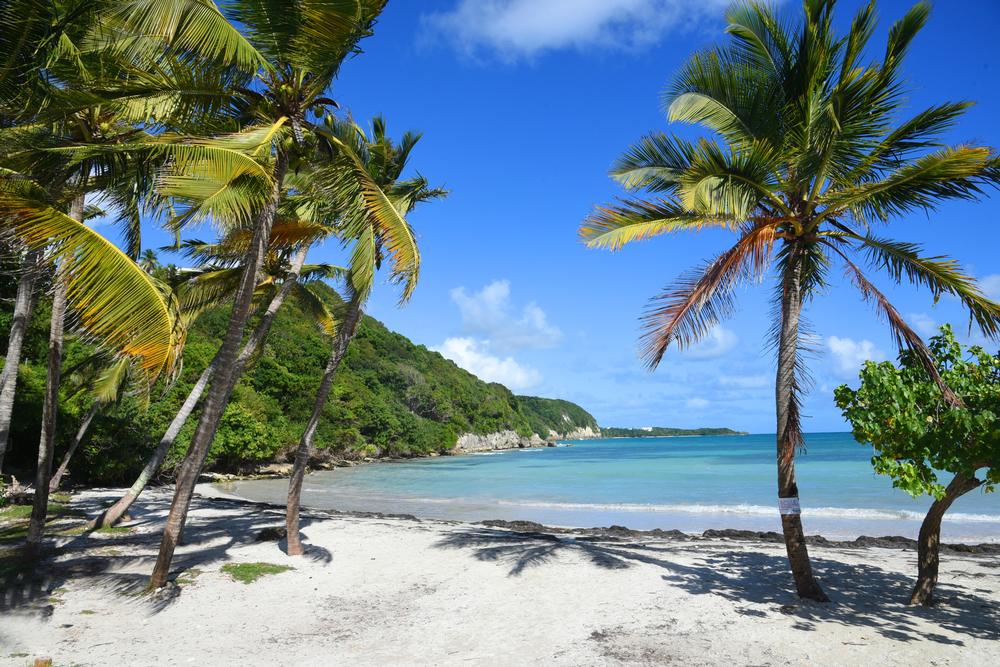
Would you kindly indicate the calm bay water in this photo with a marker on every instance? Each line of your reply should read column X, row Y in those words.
column 687, row 483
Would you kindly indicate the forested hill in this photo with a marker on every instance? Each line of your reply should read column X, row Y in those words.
column 391, row 398
column 664, row 431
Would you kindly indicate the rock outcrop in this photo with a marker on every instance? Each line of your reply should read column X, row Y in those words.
column 488, row 442
column 578, row 433
column 475, row 442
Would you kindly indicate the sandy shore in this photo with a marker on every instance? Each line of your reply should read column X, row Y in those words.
column 393, row 591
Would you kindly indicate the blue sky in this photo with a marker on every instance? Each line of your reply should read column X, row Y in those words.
column 524, row 104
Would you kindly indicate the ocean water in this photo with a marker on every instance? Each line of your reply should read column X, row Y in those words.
column 690, row 484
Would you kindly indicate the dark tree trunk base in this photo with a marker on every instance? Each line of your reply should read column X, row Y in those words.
column 929, row 540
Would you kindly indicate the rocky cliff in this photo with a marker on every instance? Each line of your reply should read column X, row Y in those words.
column 500, row 440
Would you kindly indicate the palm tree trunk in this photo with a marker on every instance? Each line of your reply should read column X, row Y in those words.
column 50, row 407
column 341, row 341
column 113, row 514
column 222, row 381
column 789, row 432
column 23, row 305
column 929, row 539
column 77, row 439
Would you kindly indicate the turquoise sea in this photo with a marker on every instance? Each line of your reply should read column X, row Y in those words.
column 691, row 484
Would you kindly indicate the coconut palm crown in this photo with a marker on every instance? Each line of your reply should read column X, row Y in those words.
column 809, row 158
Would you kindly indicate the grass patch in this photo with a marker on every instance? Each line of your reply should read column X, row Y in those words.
column 87, row 612
column 251, row 572
column 16, row 512
column 14, row 521
column 188, row 576
column 113, row 530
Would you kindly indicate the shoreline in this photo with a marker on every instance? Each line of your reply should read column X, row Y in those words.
column 377, row 589
column 262, row 472
column 211, row 492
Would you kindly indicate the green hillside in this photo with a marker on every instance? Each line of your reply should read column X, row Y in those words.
column 391, row 398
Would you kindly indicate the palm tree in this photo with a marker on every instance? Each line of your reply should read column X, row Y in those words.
column 384, row 160
column 106, row 383
column 24, row 305
column 285, row 273
column 149, row 261
column 293, row 51
column 809, row 155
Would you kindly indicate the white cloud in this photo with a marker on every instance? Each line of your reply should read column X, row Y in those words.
column 717, row 343
column 850, row 354
column 515, row 29
column 924, row 323
column 991, row 286
column 746, row 381
column 697, row 403
column 490, row 313
column 474, row 356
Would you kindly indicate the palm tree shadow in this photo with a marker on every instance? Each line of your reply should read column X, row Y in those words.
column 119, row 564
column 863, row 595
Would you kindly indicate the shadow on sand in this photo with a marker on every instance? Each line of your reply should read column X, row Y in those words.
column 121, row 563
column 862, row 595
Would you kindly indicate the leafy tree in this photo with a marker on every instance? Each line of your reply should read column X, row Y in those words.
column 809, row 154
column 917, row 433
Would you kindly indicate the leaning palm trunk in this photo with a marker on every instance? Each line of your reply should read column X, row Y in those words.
column 77, row 439
column 223, row 380
column 50, row 407
column 23, row 305
column 340, row 343
column 929, row 540
column 789, row 433
column 113, row 514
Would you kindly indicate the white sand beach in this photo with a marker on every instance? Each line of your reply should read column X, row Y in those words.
column 395, row 591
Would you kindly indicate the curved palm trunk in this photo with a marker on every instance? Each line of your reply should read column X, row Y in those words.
column 929, row 539
column 50, row 407
column 113, row 514
column 223, row 380
column 23, row 305
column 789, row 433
column 342, row 340
column 77, row 439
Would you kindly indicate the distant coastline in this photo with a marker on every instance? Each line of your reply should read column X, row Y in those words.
column 611, row 432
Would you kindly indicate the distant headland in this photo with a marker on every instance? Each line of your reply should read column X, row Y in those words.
column 664, row 432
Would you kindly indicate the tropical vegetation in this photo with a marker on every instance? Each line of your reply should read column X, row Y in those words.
column 390, row 398
column 807, row 155
column 917, row 433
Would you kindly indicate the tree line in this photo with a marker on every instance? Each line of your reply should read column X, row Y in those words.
column 184, row 113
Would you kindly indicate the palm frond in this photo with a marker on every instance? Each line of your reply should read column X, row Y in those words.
column 697, row 302
column 656, row 163
column 185, row 26
column 921, row 184
column 731, row 182
column 114, row 301
column 316, row 309
column 394, row 233
column 939, row 274
column 612, row 227
column 906, row 338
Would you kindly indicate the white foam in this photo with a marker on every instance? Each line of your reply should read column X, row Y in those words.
column 751, row 510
